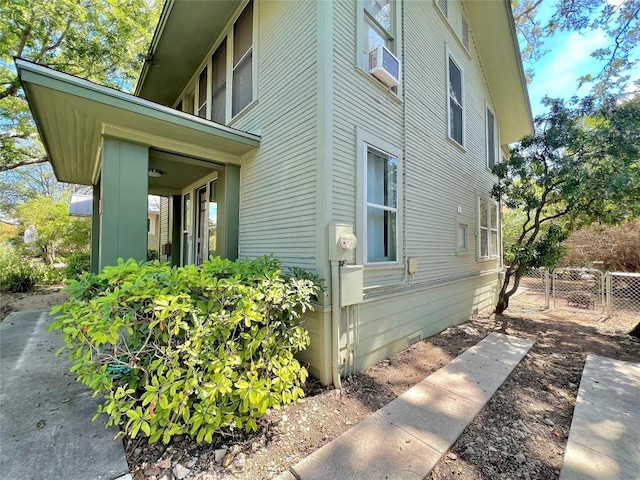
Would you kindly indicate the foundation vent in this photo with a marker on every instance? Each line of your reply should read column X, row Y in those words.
column 413, row 339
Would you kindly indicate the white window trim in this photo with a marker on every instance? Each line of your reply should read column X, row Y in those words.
column 490, row 228
column 460, row 221
column 397, row 45
column 227, row 32
column 496, row 136
column 364, row 140
column 450, row 55
column 452, row 30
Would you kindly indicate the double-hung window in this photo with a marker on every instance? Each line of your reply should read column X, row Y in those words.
column 242, row 87
column 202, row 94
column 381, row 206
column 225, row 86
column 492, row 136
column 488, row 229
column 378, row 21
column 456, row 102
column 219, row 83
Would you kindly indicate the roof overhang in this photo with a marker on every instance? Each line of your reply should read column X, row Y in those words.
column 497, row 42
column 185, row 33
column 72, row 116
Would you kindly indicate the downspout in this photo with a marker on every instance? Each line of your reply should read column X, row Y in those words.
column 335, row 322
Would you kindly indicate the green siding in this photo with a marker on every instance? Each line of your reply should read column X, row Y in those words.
column 123, row 224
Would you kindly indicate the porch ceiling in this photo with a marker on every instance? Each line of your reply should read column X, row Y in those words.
column 497, row 43
column 185, row 33
column 73, row 115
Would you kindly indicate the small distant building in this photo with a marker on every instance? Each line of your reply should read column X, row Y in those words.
column 157, row 232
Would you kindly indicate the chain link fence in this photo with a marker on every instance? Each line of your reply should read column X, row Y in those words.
column 623, row 293
column 579, row 290
column 533, row 292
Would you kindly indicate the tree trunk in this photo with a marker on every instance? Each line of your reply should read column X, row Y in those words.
column 505, row 292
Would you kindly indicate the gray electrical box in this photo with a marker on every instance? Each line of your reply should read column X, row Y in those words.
column 351, row 285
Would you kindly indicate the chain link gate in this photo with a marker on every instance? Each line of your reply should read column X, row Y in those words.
column 533, row 292
column 623, row 293
column 578, row 290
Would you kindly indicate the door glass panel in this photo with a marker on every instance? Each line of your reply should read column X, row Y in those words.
column 213, row 218
column 201, row 225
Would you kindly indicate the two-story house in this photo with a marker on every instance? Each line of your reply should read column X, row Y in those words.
column 351, row 138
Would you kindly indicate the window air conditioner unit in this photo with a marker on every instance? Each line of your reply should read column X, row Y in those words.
column 384, row 66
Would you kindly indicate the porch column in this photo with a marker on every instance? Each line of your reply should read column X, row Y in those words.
column 95, row 229
column 228, row 211
column 124, row 179
column 176, row 229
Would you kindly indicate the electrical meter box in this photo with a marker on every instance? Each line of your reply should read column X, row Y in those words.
column 351, row 285
column 342, row 242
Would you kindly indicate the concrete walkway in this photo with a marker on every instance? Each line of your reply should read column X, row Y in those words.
column 406, row 438
column 604, row 440
column 46, row 430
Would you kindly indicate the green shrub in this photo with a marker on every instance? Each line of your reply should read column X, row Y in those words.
column 15, row 275
column 152, row 254
column 77, row 264
column 192, row 350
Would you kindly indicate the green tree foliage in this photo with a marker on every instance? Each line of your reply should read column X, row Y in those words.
column 58, row 232
column 101, row 40
column 193, row 350
column 619, row 20
column 581, row 165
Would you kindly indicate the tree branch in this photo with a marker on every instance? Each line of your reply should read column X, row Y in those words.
column 31, row 161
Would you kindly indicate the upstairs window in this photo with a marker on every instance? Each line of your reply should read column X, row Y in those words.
column 242, row 61
column 492, row 144
column 225, row 86
column 456, row 103
column 443, row 6
column 378, row 20
column 382, row 206
column 202, row 94
column 219, row 83
column 488, row 231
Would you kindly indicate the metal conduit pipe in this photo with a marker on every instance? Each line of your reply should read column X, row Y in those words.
column 335, row 322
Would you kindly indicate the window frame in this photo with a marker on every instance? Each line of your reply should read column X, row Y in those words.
column 450, row 57
column 496, row 138
column 462, row 222
column 227, row 34
column 490, row 228
column 364, row 141
column 362, row 59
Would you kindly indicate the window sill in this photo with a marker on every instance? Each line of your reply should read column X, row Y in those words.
column 242, row 113
column 487, row 259
column 456, row 144
column 384, row 266
column 393, row 96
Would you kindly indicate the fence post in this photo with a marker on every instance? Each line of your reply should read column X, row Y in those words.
column 607, row 293
column 547, row 290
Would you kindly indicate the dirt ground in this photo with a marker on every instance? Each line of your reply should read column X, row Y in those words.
column 41, row 299
column 520, row 434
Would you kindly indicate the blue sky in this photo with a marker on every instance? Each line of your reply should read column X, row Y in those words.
column 568, row 57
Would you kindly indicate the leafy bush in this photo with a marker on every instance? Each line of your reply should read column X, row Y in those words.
column 77, row 264
column 152, row 254
column 192, row 350
column 16, row 275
